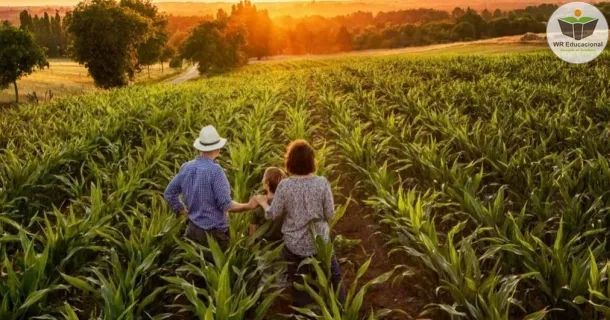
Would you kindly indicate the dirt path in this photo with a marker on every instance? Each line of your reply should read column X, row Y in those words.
column 191, row 73
column 358, row 223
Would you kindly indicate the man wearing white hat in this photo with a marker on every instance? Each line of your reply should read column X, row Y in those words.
column 206, row 192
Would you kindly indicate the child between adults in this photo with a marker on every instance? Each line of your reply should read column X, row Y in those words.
column 271, row 179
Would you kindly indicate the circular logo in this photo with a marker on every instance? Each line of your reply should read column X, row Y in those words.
column 577, row 32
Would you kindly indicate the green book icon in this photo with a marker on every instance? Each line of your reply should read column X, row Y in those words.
column 578, row 28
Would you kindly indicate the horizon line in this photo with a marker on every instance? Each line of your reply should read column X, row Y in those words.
column 203, row 2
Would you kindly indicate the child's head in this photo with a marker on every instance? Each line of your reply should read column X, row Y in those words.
column 272, row 178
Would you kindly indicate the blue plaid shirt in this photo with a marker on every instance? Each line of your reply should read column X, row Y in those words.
column 206, row 193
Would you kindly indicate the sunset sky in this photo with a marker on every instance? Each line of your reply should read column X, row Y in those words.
column 401, row 3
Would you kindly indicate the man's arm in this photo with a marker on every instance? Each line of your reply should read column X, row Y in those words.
column 263, row 202
column 241, row 207
column 222, row 194
column 172, row 194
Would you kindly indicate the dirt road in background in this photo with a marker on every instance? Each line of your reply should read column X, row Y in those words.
column 191, row 73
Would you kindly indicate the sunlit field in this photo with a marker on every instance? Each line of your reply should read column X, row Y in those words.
column 65, row 78
column 479, row 185
column 487, row 46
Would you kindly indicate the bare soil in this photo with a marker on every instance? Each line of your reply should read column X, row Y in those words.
column 359, row 223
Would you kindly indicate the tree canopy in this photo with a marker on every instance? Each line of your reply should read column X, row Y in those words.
column 48, row 30
column 150, row 51
column 106, row 37
column 215, row 46
column 258, row 25
column 166, row 55
column 19, row 55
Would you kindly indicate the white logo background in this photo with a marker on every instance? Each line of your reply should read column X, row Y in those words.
column 569, row 49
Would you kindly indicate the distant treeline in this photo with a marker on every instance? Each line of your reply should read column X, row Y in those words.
column 404, row 28
column 48, row 30
column 394, row 29
column 319, row 35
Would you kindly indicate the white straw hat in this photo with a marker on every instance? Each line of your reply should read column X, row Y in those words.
column 209, row 140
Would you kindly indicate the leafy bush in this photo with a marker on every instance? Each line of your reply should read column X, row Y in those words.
column 176, row 63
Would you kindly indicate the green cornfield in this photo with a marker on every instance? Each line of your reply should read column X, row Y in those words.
column 487, row 178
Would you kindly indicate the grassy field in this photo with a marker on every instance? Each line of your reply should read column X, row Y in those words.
column 65, row 78
column 467, row 186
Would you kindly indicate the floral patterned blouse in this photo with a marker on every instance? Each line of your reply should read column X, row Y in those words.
column 307, row 203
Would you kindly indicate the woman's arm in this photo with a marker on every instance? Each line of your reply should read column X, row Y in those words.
column 277, row 206
column 329, row 203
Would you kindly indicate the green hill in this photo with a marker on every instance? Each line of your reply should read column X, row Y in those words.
column 487, row 175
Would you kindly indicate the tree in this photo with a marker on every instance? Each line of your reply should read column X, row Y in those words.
column 47, row 24
column 26, row 21
column 473, row 18
column 176, row 63
column 166, row 55
column 486, row 15
column 498, row 14
column 259, row 27
column 499, row 28
column 58, row 34
column 48, row 31
column 149, row 52
column 300, row 39
column 19, row 55
column 106, row 38
column 527, row 23
column 464, row 31
column 344, row 40
column 457, row 13
column 215, row 46
column 222, row 15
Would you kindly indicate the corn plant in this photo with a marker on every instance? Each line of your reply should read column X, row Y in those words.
column 231, row 281
column 71, row 240
column 598, row 289
column 120, row 287
column 327, row 303
column 25, row 286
